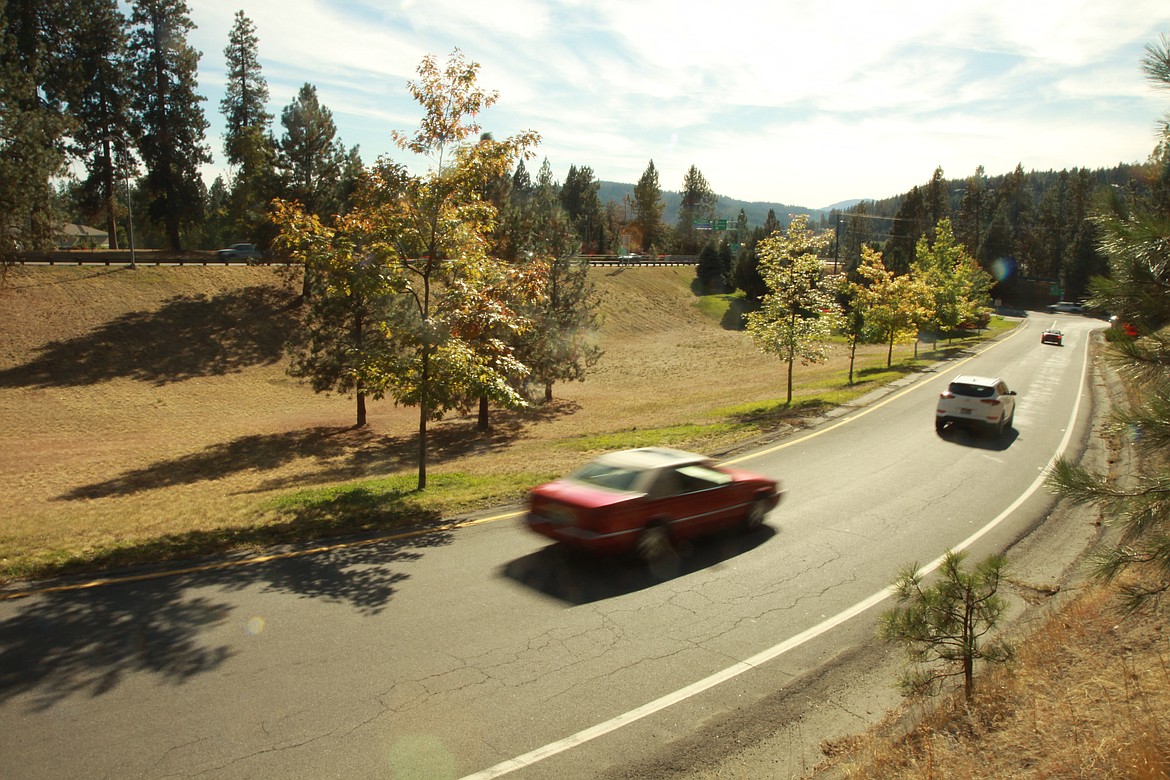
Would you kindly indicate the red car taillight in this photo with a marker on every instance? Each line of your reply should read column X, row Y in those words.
column 946, row 394
column 989, row 401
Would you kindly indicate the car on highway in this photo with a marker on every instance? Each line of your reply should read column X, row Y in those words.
column 1052, row 336
column 976, row 401
column 239, row 252
column 645, row 500
column 1070, row 307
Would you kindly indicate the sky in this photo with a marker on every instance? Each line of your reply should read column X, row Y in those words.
column 801, row 103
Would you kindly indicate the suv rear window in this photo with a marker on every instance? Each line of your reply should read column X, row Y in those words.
column 972, row 391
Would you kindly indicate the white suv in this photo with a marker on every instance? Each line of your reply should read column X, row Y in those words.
column 976, row 400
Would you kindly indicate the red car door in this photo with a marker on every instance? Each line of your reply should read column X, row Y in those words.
column 695, row 501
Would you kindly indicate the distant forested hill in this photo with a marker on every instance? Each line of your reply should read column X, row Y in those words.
column 725, row 208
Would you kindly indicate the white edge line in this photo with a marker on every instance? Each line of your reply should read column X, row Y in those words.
column 736, row 669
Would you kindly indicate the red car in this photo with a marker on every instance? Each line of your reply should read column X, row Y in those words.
column 644, row 499
column 1052, row 336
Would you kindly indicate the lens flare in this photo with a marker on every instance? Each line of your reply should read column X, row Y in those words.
column 254, row 627
column 1003, row 268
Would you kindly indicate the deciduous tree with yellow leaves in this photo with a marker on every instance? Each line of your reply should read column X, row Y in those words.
column 447, row 317
column 798, row 312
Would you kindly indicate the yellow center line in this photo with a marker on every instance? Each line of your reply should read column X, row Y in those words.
column 252, row 560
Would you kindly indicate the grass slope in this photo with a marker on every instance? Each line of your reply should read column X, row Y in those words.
column 147, row 414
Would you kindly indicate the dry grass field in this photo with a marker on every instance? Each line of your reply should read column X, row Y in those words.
column 148, row 414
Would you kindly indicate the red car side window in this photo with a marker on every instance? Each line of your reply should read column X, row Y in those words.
column 666, row 484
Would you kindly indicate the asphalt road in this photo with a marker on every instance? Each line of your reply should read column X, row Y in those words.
column 484, row 652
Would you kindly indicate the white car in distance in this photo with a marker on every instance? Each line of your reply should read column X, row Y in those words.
column 239, row 252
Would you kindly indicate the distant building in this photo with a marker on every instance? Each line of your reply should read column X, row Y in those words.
column 71, row 236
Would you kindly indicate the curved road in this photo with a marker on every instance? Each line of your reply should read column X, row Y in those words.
column 501, row 656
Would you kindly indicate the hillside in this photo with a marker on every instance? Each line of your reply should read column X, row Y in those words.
column 155, row 401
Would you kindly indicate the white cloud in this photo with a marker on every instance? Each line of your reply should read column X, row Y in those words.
column 805, row 103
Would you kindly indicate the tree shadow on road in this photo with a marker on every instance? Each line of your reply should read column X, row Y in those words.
column 88, row 641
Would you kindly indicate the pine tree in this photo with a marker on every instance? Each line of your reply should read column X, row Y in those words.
column 580, row 201
column 245, row 100
column 697, row 202
column 936, row 200
column 973, row 212
column 943, row 625
column 560, row 345
column 1080, row 261
column 648, row 207
column 857, row 234
column 32, row 124
column 345, row 345
column 96, row 85
column 1052, row 221
column 745, row 272
column 353, row 172
column 910, row 224
column 168, row 114
column 309, row 154
column 771, row 224
column 1134, row 234
column 708, row 271
column 248, row 143
column 563, row 312
column 521, row 181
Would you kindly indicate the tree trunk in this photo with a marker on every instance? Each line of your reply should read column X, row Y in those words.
column 482, row 423
column 789, row 400
column 174, row 236
column 969, row 645
column 890, row 352
column 852, row 356
column 423, row 413
column 110, row 185
column 548, row 391
column 361, row 410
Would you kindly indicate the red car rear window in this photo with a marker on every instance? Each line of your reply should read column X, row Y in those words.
column 602, row 475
